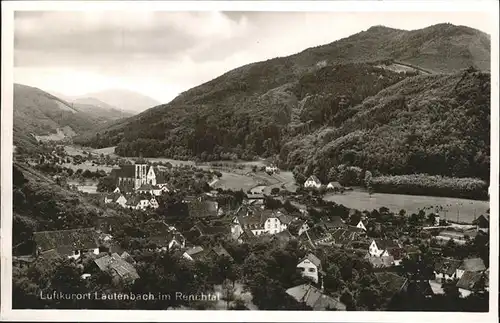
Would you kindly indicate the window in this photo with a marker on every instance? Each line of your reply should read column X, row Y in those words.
column 275, row 225
column 312, row 270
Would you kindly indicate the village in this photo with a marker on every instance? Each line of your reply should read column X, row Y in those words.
column 199, row 225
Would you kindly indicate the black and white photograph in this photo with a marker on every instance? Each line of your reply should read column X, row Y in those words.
column 222, row 157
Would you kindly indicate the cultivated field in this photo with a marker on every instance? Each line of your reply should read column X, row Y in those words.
column 412, row 203
column 89, row 166
column 235, row 182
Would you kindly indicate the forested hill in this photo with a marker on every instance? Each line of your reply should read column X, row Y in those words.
column 279, row 106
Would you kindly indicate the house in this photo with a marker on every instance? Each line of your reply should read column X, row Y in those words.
column 310, row 266
column 314, row 298
column 316, row 236
column 149, row 189
column 195, row 253
column 470, row 282
column 259, row 222
column 380, row 262
column 256, row 199
column 219, row 251
column 115, row 198
column 333, row 223
column 312, row 182
column 380, row 247
column 272, row 169
column 341, row 237
column 471, row 265
column 361, row 225
column 334, row 186
column 297, row 227
column 206, row 230
column 164, row 236
column 117, row 266
column 446, row 269
column 203, row 209
column 246, row 236
column 70, row 243
column 141, row 202
column 483, row 222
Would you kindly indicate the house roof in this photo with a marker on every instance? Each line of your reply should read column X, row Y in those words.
column 314, row 179
column 118, row 265
column 220, row 251
column 344, row 236
column 203, row 208
column 247, row 235
column 194, row 250
column 333, row 222
column 256, row 219
column 314, row 298
column 285, row 218
column 482, row 220
column 212, row 230
column 473, row 264
column 161, row 233
column 66, row 240
column 393, row 282
column 145, row 187
column 386, row 244
column 470, row 280
column 312, row 258
column 447, row 266
column 334, row 184
column 381, row 262
column 134, row 200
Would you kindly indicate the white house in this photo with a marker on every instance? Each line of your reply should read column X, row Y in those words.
column 260, row 222
column 334, row 186
column 272, row 169
column 361, row 225
column 446, row 269
column 312, row 182
column 310, row 267
column 115, row 198
column 153, row 203
column 385, row 248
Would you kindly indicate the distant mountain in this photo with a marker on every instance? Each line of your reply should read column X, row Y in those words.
column 99, row 109
column 295, row 106
column 124, row 100
column 38, row 114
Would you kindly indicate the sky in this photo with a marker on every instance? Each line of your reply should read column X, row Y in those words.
column 161, row 54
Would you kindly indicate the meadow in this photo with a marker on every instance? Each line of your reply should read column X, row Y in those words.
column 465, row 209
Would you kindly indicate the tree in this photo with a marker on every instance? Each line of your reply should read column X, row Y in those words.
column 106, row 184
column 275, row 191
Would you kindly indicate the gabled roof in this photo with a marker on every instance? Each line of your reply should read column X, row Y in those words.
column 145, row 187
column 161, row 233
column 220, row 251
column 344, row 236
column 470, row 280
column 194, row 250
column 212, row 230
column 473, row 264
column 285, row 218
column 314, row 298
column 447, row 266
column 381, row 262
column 66, row 240
column 257, row 218
column 118, row 265
column 333, row 222
column 334, row 184
column 134, row 200
column 314, row 179
column 312, row 258
column 386, row 244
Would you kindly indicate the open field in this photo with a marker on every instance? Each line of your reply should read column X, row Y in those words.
column 233, row 181
column 412, row 203
column 106, row 151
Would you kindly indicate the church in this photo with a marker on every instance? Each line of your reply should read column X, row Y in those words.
column 132, row 177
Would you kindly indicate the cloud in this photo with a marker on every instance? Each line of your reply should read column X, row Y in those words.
column 164, row 53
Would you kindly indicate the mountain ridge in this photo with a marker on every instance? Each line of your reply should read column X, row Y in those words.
column 256, row 109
